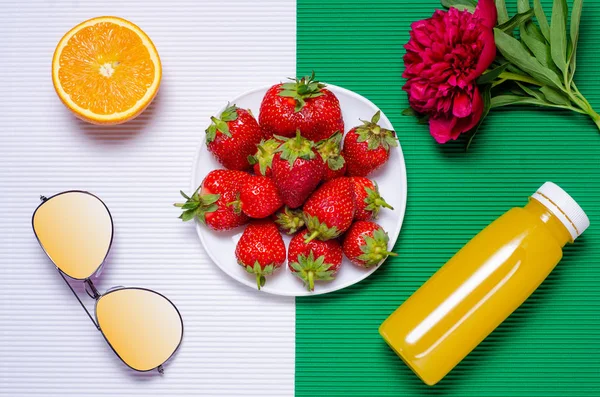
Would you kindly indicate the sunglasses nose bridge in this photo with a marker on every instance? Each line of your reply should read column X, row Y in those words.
column 91, row 290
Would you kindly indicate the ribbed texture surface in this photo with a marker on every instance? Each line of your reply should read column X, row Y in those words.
column 548, row 347
column 236, row 341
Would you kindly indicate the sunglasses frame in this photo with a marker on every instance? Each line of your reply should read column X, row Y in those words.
column 94, row 292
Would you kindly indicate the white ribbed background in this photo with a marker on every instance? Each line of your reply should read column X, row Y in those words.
column 236, row 342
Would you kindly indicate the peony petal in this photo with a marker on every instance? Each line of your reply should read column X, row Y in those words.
column 440, row 128
column 461, row 107
column 487, row 56
column 464, row 125
column 486, row 11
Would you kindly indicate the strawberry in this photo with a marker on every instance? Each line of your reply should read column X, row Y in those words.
column 304, row 105
column 289, row 221
column 329, row 211
column 209, row 203
column 233, row 137
column 263, row 158
column 260, row 250
column 258, row 198
column 367, row 199
column 330, row 152
column 316, row 260
column 365, row 244
column 297, row 170
column 367, row 147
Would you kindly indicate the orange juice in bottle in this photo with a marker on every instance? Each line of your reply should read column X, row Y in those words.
column 478, row 288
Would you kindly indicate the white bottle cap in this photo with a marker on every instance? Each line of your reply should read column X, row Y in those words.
column 564, row 207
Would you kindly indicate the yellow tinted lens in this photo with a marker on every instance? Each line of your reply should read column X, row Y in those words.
column 143, row 327
column 75, row 230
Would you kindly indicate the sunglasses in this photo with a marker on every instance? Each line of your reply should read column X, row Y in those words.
column 142, row 327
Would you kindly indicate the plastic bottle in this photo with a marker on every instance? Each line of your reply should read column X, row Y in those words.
column 490, row 277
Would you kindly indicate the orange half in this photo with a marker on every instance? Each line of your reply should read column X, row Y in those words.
column 106, row 70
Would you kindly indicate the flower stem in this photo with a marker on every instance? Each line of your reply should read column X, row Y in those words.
column 519, row 77
column 581, row 104
column 498, row 82
column 577, row 98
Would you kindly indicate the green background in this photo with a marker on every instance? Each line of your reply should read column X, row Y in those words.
column 548, row 347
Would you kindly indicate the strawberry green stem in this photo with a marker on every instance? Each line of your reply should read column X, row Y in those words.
column 312, row 236
column 260, row 272
column 381, row 202
column 310, row 269
column 236, row 204
column 260, row 280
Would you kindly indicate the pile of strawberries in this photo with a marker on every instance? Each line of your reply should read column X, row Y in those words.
column 302, row 183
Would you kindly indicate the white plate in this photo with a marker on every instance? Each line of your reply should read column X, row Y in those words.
column 391, row 179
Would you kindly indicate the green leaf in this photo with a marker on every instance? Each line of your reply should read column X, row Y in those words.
column 516, row 20
column 296, row 266
column 514, row 52
column 376, row 117
column 218, row 125
column 575, row 21
column 190, row 205
column 409, row 112
column 299, row 104
column 187, row 215
column 211, row 133
column 460, row 4
column 230, row 113
column 512, row 68
column 532, row 92
column 555, row 97
column 509, row 99
column 487, row 103
column 421, row 118
column 491, row 75
column 424, row 119
column 522, row 6
column 502, row 13
column 541, row 18
column 558, row 34
column 336, row 163
column 461, row 7
column 287, row 92
column 534, row 40
column 534, row 31
column 210, row 198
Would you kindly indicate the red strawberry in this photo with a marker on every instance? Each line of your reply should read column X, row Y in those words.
column 263, row 158
column 209, row 203
column 289, row 221
column 365, row 244
column 303, row 105
column 367, row 147
column 297, row 170
column 233, row 137
column 367, row 199
column 316, row 260
column 260, row 250
column 329, row 211
column 330, row 152
column 258, row 198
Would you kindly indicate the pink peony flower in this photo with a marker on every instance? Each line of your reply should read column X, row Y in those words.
column 444, row 56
